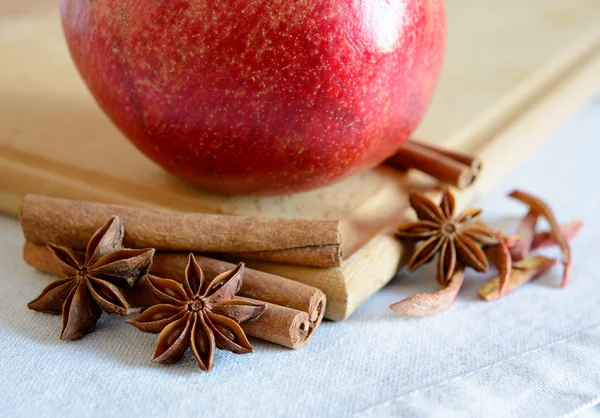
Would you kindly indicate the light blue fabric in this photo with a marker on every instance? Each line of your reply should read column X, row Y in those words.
column 535, row 353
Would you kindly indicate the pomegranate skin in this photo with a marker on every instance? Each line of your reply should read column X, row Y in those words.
column 260, row 96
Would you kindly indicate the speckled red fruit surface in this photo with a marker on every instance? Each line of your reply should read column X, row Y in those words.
column 260, row 96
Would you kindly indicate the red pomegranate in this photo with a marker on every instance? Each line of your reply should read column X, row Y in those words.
column 260, row 96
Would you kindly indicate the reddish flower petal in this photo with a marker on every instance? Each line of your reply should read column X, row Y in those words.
column 430, row 304
column 521, row 273
column 500, row 256
column 525, row 232
column 539, row 206
column 545, row 239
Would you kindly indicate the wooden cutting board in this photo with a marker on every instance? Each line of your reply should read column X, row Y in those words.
column 514, row 71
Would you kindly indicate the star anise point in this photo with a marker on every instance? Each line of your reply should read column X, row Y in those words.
column 92, row 281
column 198, row 315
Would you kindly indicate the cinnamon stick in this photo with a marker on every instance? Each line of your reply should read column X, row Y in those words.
column 294, row 310
column 258, row 285
column 446, row 166
column 71, row 223
column 472, row 161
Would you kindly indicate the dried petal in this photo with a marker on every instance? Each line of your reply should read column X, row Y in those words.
column 108, row 296
column 447, row 204
column 426, row 210
column 419, row 230
column 430, row 304
column 128, row 265
column 545, row 239
column 525, row 232
column 173, row 340
column 470, row 254
column 53, row 296
column 70, row 260
column 226, row 285
column 500, row 256
column 425, row 253
column 157, row 317
column 468, row 215
column 167, row 290
column 522, row 272
column 228, row 334
column 239, row 310
column 107, row 239
column 194, row 278
column 80, row 313
column 446, row 263
column 539, row 206
column 202, row 343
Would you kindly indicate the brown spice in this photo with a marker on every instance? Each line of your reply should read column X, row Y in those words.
column 199, row 315
column 539, row 207
column 546, row 239
column 455, row 169
column 295, row 310
column 507, row 253
column 93, row 283
column 500, row 256
column 432, row 303
column 290, row 241
column 458, row 240
column 522, row 272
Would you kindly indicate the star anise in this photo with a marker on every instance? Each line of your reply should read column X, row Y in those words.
column 459, row 240
column 92, row 281
column 199, row 314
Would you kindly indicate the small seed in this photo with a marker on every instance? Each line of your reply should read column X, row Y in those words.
column 202, row 344
column 230, row 335
column 174, row 335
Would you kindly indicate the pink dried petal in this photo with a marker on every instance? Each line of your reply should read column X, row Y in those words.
column 499, row 255
column 545, row 239
column 427, row 304
column 537, row 205
column 522, row 272
column 525, row 232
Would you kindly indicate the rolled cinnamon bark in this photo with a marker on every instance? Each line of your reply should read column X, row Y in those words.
column 294, row 310
column 472, row 161
column 280, row 325
column 439, row 164
column 256, row 284
column 71, row 224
